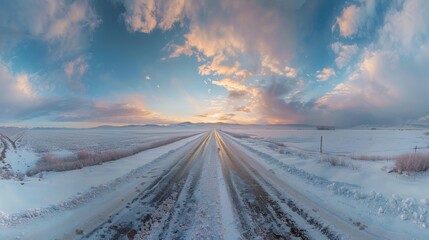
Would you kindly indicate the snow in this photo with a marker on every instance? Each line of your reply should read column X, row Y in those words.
column 362, row 188
column 22, row 159
column 49, row 140
column 57, row 191
column 228, row 219
column 362, row 193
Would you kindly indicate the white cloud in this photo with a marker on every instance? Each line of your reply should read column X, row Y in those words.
column 19, row 102
column 225, row 34
column 62, row 24
column 344, row 53
column 350, row 20
column 23, row 85
column 354, row 17
column 274, row 66
column 390, row 81
column 77, row 66
column 406, row 26
column 325, row 74
column 290, row 72
column 147, row 78
column 177, row 50
column 230, row 42
column 75, row 70
column 146, row 15
column 16, row 92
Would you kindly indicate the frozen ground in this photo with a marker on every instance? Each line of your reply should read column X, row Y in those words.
column 25, row 146
column 240, row 182
column 363, row 187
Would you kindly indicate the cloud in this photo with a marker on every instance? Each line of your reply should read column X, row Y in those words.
column 325, row 74
column 75, row 69
column 242, row 109
column 354, row 17
column 218, row 66
column 147, row 78
column 237, row 94
column 23, row 85
column 273, row 66
column 106, row 112
column 222, row 33
column 405, row 27
column 231, row 85
column 62, row 24
column 177, row 50
column 245, row 52
column 349, row 21
column 344, row 53
column 146, row 15
column 389, row 83
column 227, row 116
column 20, row 101
column 272, row 104
column 16, row 92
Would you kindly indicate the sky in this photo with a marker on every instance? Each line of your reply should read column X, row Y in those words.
column 87, row 63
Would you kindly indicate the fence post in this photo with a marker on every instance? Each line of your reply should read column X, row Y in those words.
column 321, row 141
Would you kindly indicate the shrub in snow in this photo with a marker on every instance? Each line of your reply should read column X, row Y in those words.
column 370, row 157
column 416, row 162
column 334, row 161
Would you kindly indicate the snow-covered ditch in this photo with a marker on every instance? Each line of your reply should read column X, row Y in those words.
column 362, row 187
column 57, row 191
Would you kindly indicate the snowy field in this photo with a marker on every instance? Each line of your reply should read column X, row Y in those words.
column 27, row 146
column 349, row 188
column 350, row 184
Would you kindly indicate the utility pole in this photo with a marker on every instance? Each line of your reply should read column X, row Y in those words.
column 415, row 149
column 321, row 141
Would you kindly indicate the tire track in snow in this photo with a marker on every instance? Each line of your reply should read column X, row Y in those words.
column 3, row 151
column 9, row 140
column 151, row 214
column 259, row 214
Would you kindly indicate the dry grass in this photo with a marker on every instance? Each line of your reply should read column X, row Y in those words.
column 370, row 157
column 82, row 159
column 334, row 161
column 413, row 162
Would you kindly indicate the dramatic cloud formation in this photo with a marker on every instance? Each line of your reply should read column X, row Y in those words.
column 391, row 80
column 225, row 35
column 272, row 104
column 19, row 102
column 61, row 23
column 132, row 112
column 247, row 61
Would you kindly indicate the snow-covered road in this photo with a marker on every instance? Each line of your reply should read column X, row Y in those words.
column 191, row 200
column 206, row 187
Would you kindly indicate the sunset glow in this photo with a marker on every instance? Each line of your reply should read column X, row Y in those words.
column 88, row 63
